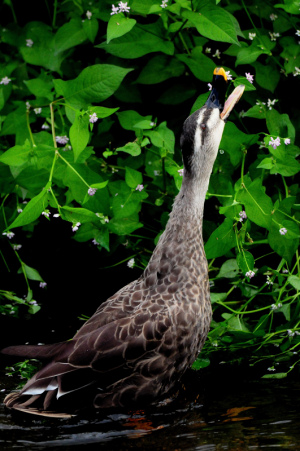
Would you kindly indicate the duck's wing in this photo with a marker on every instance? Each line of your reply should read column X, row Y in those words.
column 101, row 358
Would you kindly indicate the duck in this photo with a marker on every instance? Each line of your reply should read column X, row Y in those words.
column 135, row 348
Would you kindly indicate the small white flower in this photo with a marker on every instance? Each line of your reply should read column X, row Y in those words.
column 164, row 4
column 285, row 271
column 19, row 210
column 45, row 126
column 274, row 36
column 242, row 215
column 296, row 72
column 46, row 213
column 273, row 17
column 95, row 242
column 56, row 215
column 153, row 124
column 274, row 307
column 139, row 188
column 274, row 142
column 271, row 369
column 9, row 235
column 89, row 14
column 228, row 75
column 252, row 36
column 5, row 81
column 156, row 173
column 37, row 110
column 28, row 106
column 42, row 285
column 62, row 139
column 130, row 263
column 180, row 172
column 92, row 191
column 93, row 118
column 114, row 10
column 282, row 231
column 208, row 50
column 290, row 333
column 271, row 103
column 17, row 247
column 209, row 86
column 287, row 141
column 76, row 226
column 269, row 282
column 297, row 33
column 123, row 8
column 217, row 54
column 29, row 42
column 250, row 274
column 67, row 148
column 249, row 77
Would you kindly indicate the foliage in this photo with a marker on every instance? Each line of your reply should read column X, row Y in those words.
column 91, row 102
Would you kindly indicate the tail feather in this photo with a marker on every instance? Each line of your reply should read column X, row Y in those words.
column 39, row 352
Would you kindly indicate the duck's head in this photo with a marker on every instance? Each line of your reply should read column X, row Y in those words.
column 202, row 131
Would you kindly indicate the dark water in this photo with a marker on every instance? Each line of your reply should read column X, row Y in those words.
column 221, row 411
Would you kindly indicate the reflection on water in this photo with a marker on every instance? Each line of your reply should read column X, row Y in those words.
column 211, row 414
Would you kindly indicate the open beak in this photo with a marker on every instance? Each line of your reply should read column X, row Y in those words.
column 232, row 101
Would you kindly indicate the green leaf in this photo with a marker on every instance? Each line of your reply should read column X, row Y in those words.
column 119, row 25
column 17, row 155
column 133, row 177
column 102, row 111
column 287, row 167
column 40, row 87
column 280, row 124
column 162, row 137
column 90, row 27
column 214, row 23
column 257, row 204
column 294, row 281
column 69, row 35
column 221, row 240
column 229, row 269
column 159, row 69
column 33, row 209
column 79, row 134
column 93, row 85
column 132, row 120
column 131, row 148
column 200, row 363
column 31, row 273
column 256, row 111
column 250, row 54
column 199, row 64
column 81, row 215
column 234, row 140
column 245, row 261
column 139, row 42
column 274, row 376
column 282, row 244
column 218, row 297
column 235, row 323
column 267, row 75
column 124, row 226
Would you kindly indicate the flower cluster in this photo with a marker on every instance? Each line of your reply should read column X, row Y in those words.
column 93, row 118
column 89, row 14
column 9, row 235
column 180, row 172
column 274, row 36
column 271, row 103
column 92, row 191
column 5, row 81
column 276, row 306
column 249, row 77
column 250, row 274
column 139, row 188
column 37, row 110
column 29, row 42
column 282, row 231
column 252, row 36
column 130, row 263
column 62, row 139
column 274, row 142
column 43, row 284
column 242, row 215
column 76, row 226
column 164, row 4
column 121, row 8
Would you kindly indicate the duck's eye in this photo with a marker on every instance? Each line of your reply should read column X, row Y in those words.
column 203, row 126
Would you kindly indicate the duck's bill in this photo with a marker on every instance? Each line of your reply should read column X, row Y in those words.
column 232, row 101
